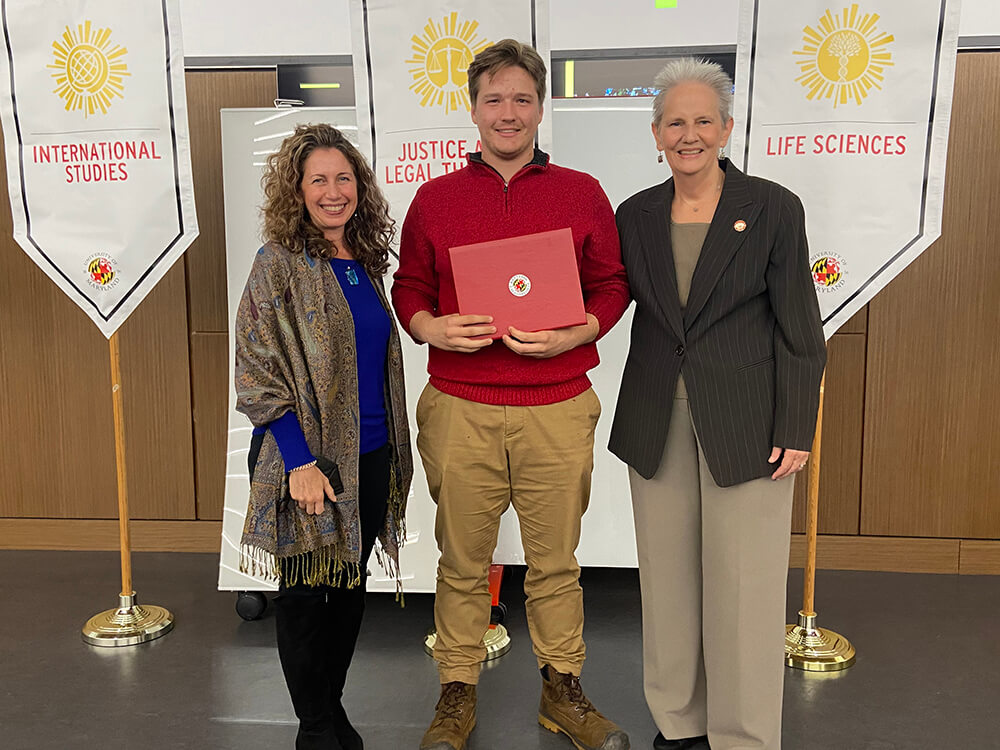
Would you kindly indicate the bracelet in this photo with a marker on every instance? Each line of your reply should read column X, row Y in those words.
column 304, row 466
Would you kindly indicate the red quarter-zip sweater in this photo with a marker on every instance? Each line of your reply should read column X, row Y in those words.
column 475, row 205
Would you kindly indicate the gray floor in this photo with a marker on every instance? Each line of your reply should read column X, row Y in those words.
column 928, row 673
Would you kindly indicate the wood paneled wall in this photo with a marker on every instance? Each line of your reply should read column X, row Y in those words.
column 840, row 480
column 911, row 450
column 932, row 443
column 205, row 261
column 55, row 397
column 208, row 92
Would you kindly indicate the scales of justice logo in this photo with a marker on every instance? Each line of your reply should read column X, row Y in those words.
column 89, row 69
column 845, row 57
column 441, row 59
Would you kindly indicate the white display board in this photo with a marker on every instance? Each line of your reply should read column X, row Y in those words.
column 610, row 140
column 248, row 136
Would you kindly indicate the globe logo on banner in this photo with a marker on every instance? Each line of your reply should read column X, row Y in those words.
column 441, row 58
column 845, row 58
column 89, row 69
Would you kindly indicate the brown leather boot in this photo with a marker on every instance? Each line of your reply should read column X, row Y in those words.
column 454, row 718
column 564, row 708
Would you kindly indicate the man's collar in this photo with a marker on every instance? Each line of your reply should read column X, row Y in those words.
column 538, row 159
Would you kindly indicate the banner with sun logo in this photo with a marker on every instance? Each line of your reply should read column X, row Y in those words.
column 848, row 105
column 410, row 62
column 95, row 129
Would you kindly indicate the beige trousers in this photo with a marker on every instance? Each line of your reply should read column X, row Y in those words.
column 713, row 566
column 479, row 459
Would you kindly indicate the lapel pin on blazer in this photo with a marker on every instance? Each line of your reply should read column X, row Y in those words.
column 740, row 225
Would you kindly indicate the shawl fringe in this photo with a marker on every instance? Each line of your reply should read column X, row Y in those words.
column 325, row 566
column 319, row 567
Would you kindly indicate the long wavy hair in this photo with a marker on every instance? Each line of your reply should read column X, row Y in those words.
column 368, row 233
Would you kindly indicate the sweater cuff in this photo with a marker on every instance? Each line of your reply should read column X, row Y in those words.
column 605, row 312
column 406, row 308
column 291, row 442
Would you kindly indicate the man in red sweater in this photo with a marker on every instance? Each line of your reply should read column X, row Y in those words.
column 510, row 420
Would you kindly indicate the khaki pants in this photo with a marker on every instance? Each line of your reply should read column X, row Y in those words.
column 713, row 566
column 479, row 459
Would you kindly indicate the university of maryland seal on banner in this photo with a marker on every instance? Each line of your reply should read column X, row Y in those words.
column 845, row 57
column 89, row 69
column 102, row 272
column 441, row 59
column 828, row 272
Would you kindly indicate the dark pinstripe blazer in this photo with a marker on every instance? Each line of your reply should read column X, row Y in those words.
column 750, row 342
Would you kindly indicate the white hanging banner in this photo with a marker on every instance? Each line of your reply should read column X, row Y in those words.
column 98, row 160
column 849, row 106
column 410, row 62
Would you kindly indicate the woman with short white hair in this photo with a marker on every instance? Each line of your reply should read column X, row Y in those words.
column 715, row 415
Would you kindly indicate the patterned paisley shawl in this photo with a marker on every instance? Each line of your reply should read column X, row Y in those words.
column 295, row 350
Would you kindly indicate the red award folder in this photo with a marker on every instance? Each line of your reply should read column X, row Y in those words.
column 530, row 282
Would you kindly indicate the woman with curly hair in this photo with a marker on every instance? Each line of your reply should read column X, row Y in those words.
column 319, row 373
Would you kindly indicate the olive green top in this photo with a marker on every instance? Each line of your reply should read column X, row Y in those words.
column 685, row 241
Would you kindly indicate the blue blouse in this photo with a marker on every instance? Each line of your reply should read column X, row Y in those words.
column 371, row 337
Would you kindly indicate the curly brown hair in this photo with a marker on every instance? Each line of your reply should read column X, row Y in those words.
column 368, row 233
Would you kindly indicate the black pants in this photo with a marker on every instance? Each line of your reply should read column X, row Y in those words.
column 317, row 627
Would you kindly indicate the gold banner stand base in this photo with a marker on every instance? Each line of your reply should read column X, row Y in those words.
column 128, row 625
column 496, row 640
column 816, row 649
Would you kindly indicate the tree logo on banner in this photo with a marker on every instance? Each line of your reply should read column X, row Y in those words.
column 441, row 58
column 845, row 58
column 89, row 70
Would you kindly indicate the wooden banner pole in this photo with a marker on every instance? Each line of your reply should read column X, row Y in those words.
column 130, row 623
column 809, row 647
column 123, row 517
column 812, row 511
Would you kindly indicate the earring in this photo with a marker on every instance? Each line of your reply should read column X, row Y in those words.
column 722, row 153
column 659, row 158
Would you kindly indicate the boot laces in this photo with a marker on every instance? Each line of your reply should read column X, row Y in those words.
column 453, row 700
column 575, row 695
